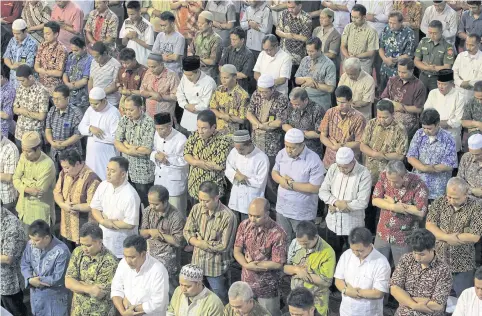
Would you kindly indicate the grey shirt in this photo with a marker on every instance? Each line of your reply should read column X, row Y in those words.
column 223, row 12
column 170, row 44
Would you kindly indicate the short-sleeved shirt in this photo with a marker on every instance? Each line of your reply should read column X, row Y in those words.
column 300, row 25
column 7, row 98
column 63, row 125
column 72, row 15
column 411, row 11
column 363, row 89
column 131, row 79
column 223, row 12
column 173, row 43
column 165, row 84
column 242, row 59
column 207, row 46
column 51, row 56
column 330, row 39
column 144, row 31
column 470, row 170
column 9, row 157
column 437, row 54
column 395, row 44
column 103, row 25
column 278, row 66
column 24, row 52
column 233, row 102
column 360, row 39
column 77, row 68
column 36, row 99
column 473, row 112
column 103, row 76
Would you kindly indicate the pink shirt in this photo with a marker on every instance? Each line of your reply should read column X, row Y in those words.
column 71, row 15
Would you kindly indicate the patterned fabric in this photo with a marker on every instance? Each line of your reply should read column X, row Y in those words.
column 78, row 190
column 186, row 19
column 217, row 229
column 435, row 54
column 300, row 25
column 6, row 105
column 166, row 85
column 242, row 59
column 467, row 219
column 396, row 43
column 205, row 303
column 51, row 56
column 77, row 68
column 99, row 270
column 64, row 125
column 271, row 142
column 207, row 46
column 103, row 76
column 130, row 79
column 434, row 281
column 470, row 170
column 36, row 13
column 103, row 25
column 363, row 89
column 411, row 11
column 266, row 243
column 257, row 310
column 24, row 52
column 234, row 102
column 9, row 157
column 360, row 39
column 216, row 150
column 395, row 227
column 473, row 112
column 138, row 133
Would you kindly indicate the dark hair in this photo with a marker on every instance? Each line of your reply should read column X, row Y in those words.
column 62, row 89
column 396, row 14
column 162, row 192
column 407, row 62
column 136, row 5
column 385, row 105
column 39, row 228
column 314, row 41
column 271, row 38
column 239, row 32
column 477, row 86
column 207, row 116
column 72, row 156
column 24, row 71
column 54, row 26
column 137, row 99
column 167, row 16
column 5, row 71
column 430, row 117
column 78, row 41
column 209, row 188
column 306, row 228
column 299, row 93
column 127, row 54
column 99, row 47
column 436, row 24
column 473, row 3
column 360, row 235
column 122, row 161
column 476, row 36
column 297, row 2
column 91, row 229
column 360, row 8
column 302, row 298
column 136, row 241
column 478, row 273
column 421, row 239
column 344, row 92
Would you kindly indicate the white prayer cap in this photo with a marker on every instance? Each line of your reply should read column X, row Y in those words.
column 97, row 93
column 19, row 25
column 294, row 136
column 344, row 156
column 230, row 69
column 475, row 142
column 192, row 272
column 265, row 81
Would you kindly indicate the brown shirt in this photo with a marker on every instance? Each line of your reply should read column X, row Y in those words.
column 470, row 170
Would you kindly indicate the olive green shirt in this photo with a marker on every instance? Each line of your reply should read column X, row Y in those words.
column 435, row 54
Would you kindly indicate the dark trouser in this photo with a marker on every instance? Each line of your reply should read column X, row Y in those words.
column 11, row 207
column 339, row 243
column 142, row 189
column 14, row 304
column 372, row 213
column 241, row 216
column 219, row 285
column 292, row 83
column 271, row 193
column 462, row 281
column 429, row 81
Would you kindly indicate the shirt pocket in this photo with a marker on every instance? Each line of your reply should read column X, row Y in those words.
column 366, row 282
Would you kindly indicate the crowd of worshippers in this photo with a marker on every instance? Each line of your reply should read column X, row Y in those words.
column 149, row 149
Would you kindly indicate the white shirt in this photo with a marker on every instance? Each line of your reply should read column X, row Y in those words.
column 342, row 18
column 173, row 176
column 121, row 204
column 146, row 35
column 278, row 66
column 448, row 17
column 468, row 304
column 262, row 16
column 381, row 10
column 255, row 166
column 149, row 286
column 372, row 273
column 199, row 94
column 467, row 68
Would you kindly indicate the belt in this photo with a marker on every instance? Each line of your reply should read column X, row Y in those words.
column 429, row 75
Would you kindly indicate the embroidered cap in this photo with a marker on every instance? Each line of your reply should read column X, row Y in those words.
column 97, row 93
column 192, row 272
column 30, row 139
column 344, row 156
column 241, row 136
column 294, row 136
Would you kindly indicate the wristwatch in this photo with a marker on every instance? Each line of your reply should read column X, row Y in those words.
column 343, row 291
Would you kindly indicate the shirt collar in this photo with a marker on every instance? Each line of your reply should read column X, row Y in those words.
column 200, row 296
column 216, row 213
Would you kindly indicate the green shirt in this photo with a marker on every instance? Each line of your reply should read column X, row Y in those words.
column 435, row 54
column 205, row 303
column 257, row 310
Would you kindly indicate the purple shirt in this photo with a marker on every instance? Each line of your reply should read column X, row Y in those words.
column 8, row 96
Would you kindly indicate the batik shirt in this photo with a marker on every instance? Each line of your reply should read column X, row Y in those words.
column 24, row 53
column 103, row 25
column 7, row 99
column 234, row 102
column 51, row 56
column 35, row 99
column 473, row 112
column 77, row 68
column 411, row 11
column 64, row 125
column 299, row 25
column 207, row 46
column 395, row 44
column 470, row 170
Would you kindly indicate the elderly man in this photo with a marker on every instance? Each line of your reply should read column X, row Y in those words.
column 102, row 25
column 441, row 11
column 311, row 263
column 329, row 34
column 34, row 179
column 9, row 157
column 90, row 272
column 257, row 21
column 468, row 66
column 115, row 206
column 470, row 168
column 260, row 249
column 472, row 117
column 432, row 153
column 361, row 84
column 130, row 76
column 191, row 289
column 44, row 262
column 70, row 18
column 299, row 173
column 341, row 10
column 456, row 221
column 242, row 302
column 224, row 18
column 469, row 303
column 403, row 199
column 247, row 168
column 428, row 297
column 362, row 276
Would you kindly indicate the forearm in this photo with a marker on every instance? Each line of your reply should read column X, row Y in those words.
column 97, row 215
column 367, row 54
column 239, row 256
column 208, row 61
column 110, row 89
column 122, row 225
column 438, row 233
column 367, row 150
column 306, row 187
column 277, row 177
column 121, row 147
column 142, row 43
column 39, row 116
column 352, row 145
column 117, row 300
column 77, row 286
column 413, row 109
column 4, row 259
column 280, row 81
column 468, row 238
column 172, row 241
column 393, row 156
column 290, row 269
column 6, row 177
column 71, row 140
column 471, row 124
column 371, row 294
column 401, row 296
column 383, row 204
column 83, row 207
column 434, row 306
column 270, row 265
column 416, row 163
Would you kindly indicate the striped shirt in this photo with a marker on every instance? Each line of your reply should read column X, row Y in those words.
column 104, row 76
column 8, row 162
column 63, row 125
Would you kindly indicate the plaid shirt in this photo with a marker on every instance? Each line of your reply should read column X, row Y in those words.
column 77, row 68
column 63, row 126
column 9, row 157
column 300, row 25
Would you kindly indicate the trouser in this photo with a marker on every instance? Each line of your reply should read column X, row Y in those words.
column 429, row 81
column 385, row 248
column 271, row 193
column 292, row 83
column 14, row 304
column 289, row 225
column 372, row 213
column 143, row 189
column 173, row 283
column 462, row 281
column 179, row 202
column 219, row 286
column 272, row 304
column 11, row 207
column 339, row 243
column 241, row 216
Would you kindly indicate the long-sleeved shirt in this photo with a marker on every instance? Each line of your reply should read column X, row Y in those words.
column 205, row 303
column 467, row 67
column 381, row 10
column 261, row 15
column 448, row 17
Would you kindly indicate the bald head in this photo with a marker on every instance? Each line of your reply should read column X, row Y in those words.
column 258, row 211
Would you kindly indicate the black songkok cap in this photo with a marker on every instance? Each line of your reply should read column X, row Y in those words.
column 191, row 63
column 162, row 118
column 445, row 75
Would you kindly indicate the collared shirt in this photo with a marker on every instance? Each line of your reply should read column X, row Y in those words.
column 467, row 219
column 411, row 11
column 448, row 17
column 170, row 44
column 469, row 24
column 390, row 139
column 8, row 92
column 330, row 41
column 72, row 15
column 470, row 170
column 433, row 282
column 278, row 66
column 300, row 25
column 342, row 17
column 103, row 25
column 468, row 304
column 437, row 54
column 395, row 44
column 64, row 125
column 467, row 67
column 380, row 11
column 10, row 11
column 34, row 99
column 208, row 46
column 306, row 168
column 257, row 310
column 223, row 12
column 166, row 85
column 261, row 15
column 363, row 89
column 265, row 243
column 473, row 112
column 205, row 303
column 35, row 14
column 145, row 33
column 78, row 190
column 441, row 150
column 355, row 188
column 51, row 56
column 103, row 76
column 242, row 59
column 186, row 19
column 98, row 270
column 21, row 52
column 217, row 228
column 77, row 68
column 9, row 157
column 148, row 287
column 394, row 227
column 233, row 102
column 371, row 273
column 360, row 39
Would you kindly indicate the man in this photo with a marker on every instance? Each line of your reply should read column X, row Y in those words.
column 299, row 173
column 317, row 74
column 99, row 124
column 242, row 302
column 194, row 92
column 403, row 201
column 472, row 117
column 342, row 126
column 186, row 17
column 34, row 179
column 361, row 84
column 73, row 194
column 330, row 35
column 432, row 153
column 130, row 76
column 362, row 276
column 7, row 98
column 102, row 25
column 469, row 23
column 468, row 66
column 408, row 95
column 421, row 298
column 10, row 11
column 247, row 169
column 12, row 239
column 51, row 57
column 275, row 62
column 162, row 226
column 229, row 102
column 206, row 151
column 378, row 14
column 31, row 104
column 456, row 221
column 207, row 44
column 171, row 170
column 71, row 20
column 210, row 229
column 311, row 263
column 43, row 265
column 240, row 56
column 115, row 206
column 137, row 33
column 260, row 249
column 433, row 54
column 9, row 157
column 90, row 272
column 442, row 12
column 136, row 293
column 449, row 103
column 383, row 140
column 191, row 297
column 469, row 302
column 471, row 164
column 359, row 39
column 257, row 22
column 21, row 49
column 224, row 18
